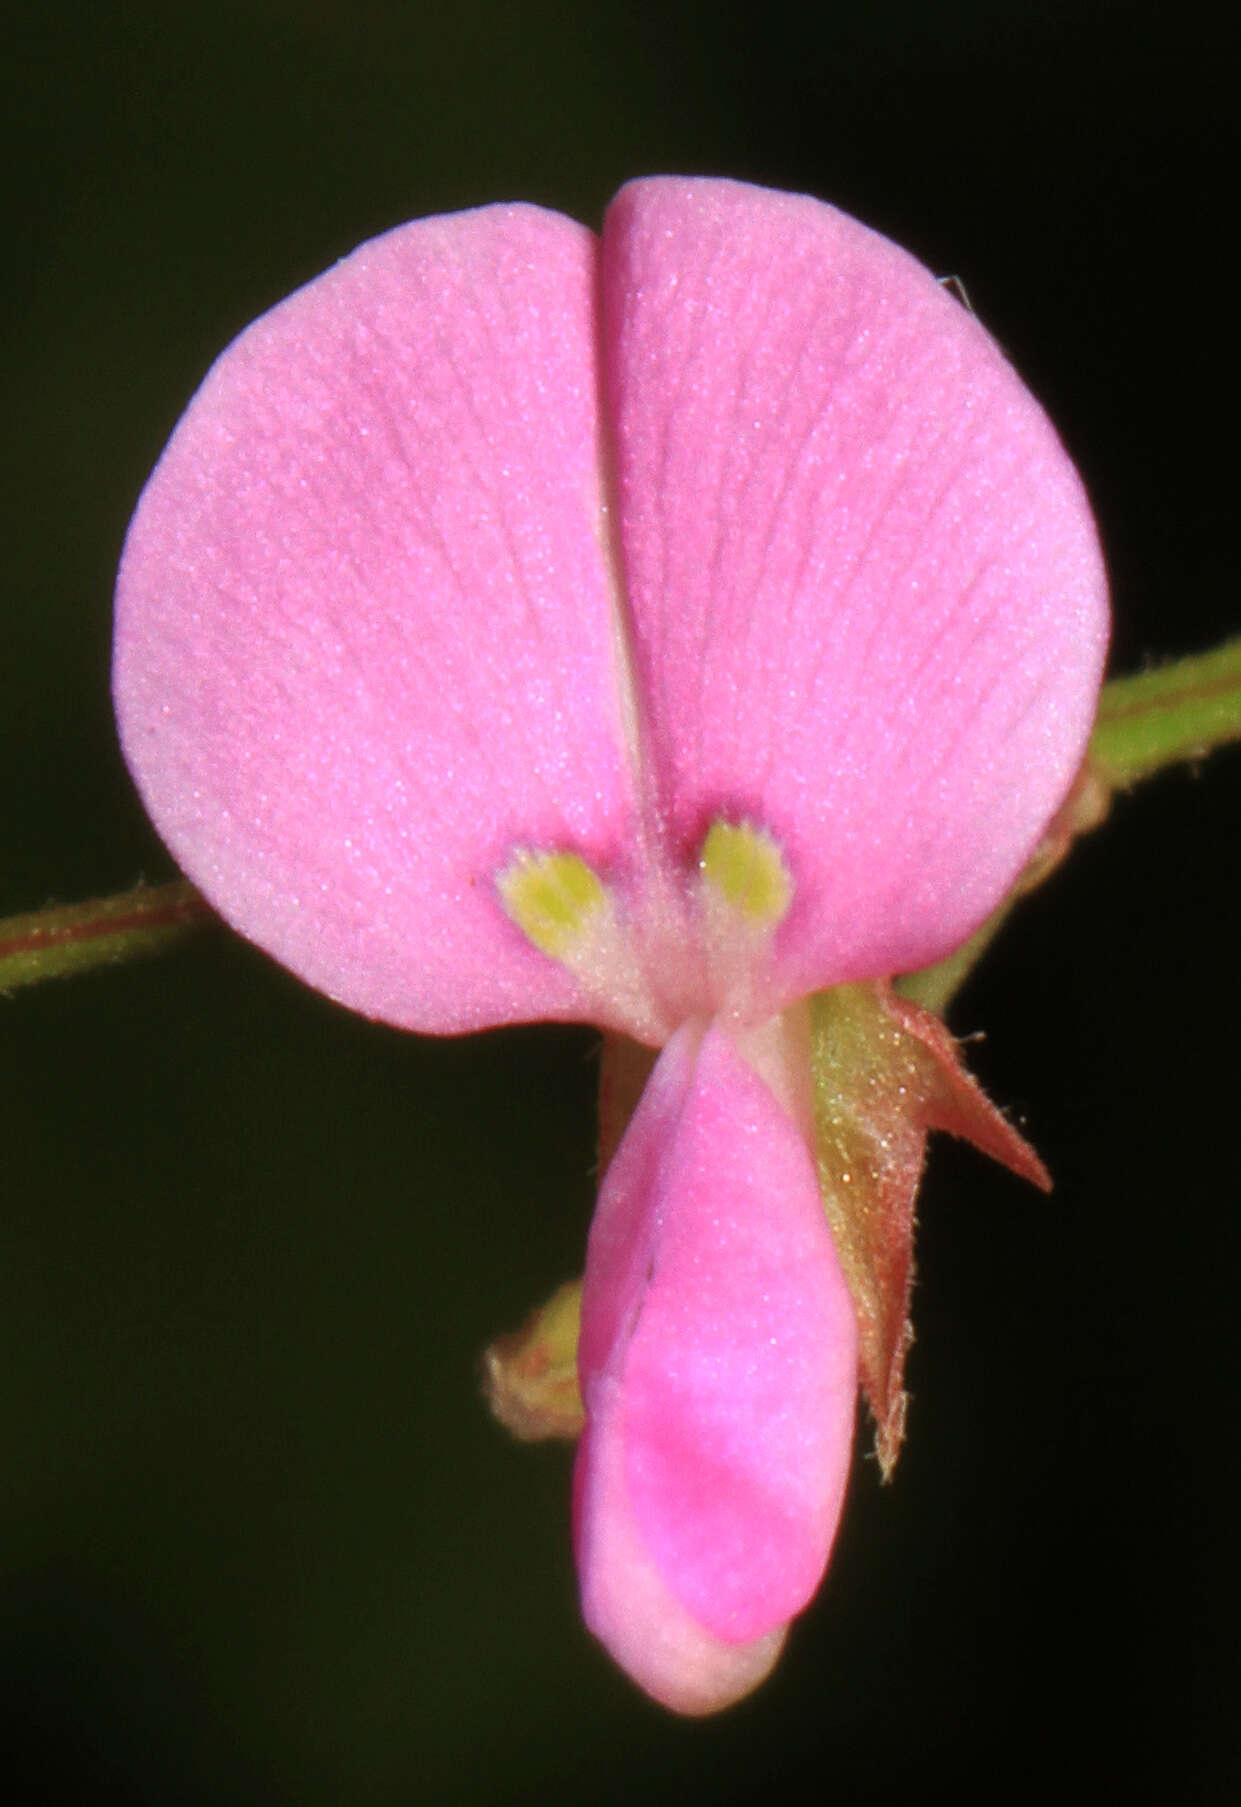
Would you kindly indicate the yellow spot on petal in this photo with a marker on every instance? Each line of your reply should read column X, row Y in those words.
column 745, row 868
column 554, row 898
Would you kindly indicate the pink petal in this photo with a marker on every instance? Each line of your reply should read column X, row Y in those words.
column 718, row 1364
column 869, row 609
column 364, row 633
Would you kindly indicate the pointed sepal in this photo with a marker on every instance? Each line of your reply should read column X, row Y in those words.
column 885, row 1073
column 530, row 1376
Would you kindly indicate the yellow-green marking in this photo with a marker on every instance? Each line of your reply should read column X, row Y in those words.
column 554, row 898
column 744, row 867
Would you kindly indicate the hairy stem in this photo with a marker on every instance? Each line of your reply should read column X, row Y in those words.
column 64, row 939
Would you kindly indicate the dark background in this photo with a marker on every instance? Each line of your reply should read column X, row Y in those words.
column 258, row 1539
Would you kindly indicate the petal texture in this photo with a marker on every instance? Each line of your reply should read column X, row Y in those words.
column 868, row 605
column 365, row 640
column 718, row 1370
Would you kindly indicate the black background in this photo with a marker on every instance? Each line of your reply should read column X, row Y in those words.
column 258, row 1538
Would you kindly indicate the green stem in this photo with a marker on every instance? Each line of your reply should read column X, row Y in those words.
column 1181, row 711
column 51, row 944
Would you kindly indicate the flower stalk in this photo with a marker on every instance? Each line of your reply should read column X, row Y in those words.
column 66, row 939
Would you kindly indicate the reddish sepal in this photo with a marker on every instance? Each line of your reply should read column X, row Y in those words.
column 886, row 1072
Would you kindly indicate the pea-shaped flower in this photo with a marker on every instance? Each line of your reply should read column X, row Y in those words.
column 651, row 630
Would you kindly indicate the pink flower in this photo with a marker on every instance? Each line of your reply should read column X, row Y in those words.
column 651, row 630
